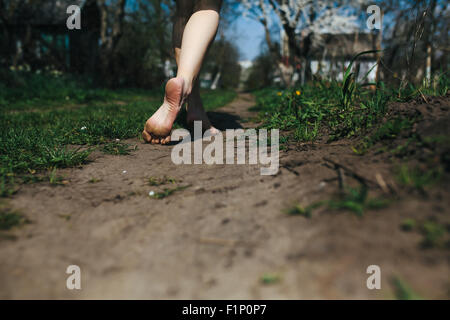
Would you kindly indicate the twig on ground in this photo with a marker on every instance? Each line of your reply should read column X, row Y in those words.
column 381, row 182
column 352, row 173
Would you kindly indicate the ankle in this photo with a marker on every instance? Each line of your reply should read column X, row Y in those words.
column 187, row 86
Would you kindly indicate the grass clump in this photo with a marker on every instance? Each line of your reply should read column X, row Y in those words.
column 418, row 178
column 117, row 148
column 167, row 192
column 10, row 219
column 155, row 181
column 408, row 225
column 270, row 278
column 402, row 290
column 355, row 200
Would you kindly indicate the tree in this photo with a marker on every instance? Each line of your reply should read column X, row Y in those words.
column 416, row 40
column 306, row 18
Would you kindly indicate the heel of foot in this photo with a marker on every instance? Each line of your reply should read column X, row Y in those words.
column 174, row 91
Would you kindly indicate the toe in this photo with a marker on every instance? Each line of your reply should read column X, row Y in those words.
column 166, row 140
column 147, row 137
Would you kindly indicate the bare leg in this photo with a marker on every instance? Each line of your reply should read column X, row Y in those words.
column 194, row 108
column 198, row 34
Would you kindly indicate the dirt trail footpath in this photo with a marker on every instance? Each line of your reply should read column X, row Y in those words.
column 225, row 235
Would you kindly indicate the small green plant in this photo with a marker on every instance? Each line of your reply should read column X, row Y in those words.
column 10, row 219
column 408, row 224
column 117, row 148
column 433, row 234
column 154, row 181
column 167, row 192
column 270, row 278
column 54, row 178
column 402, row 291
column 418, row 178
column 357, row 201
column 299, row 210
column 388, row 131
column 349, row 85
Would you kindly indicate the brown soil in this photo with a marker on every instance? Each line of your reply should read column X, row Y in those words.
column 217, row 238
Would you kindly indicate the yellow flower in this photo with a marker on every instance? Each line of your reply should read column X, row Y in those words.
column 297, row 92
column 279, row 93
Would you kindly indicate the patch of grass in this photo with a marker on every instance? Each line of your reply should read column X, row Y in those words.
column 40, row 129
column 270, row 278
column 10, row 219
column 408, row 225
column 357, row 201
column 117, row 148
column 402, row 291
column 66, row 217
column 54, row 178
column 94, row 180
column 167, row 192
column 333, row 110
column 418, row 178
column 388, row 131
column 154, row 181
column 433, row 234
column 299, row 210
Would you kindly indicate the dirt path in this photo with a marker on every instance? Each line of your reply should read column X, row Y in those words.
column 215, row 239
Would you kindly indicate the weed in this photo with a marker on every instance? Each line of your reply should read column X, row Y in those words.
column 433, row 234
column 167, row 192
column 304, row 211
column 270, row 278
column 408, row 224
column 402, row 291
column 10, row 219
column 418, row 178
column 357, row 201
column 117, row 148
column 353, row 199
column 153, row 181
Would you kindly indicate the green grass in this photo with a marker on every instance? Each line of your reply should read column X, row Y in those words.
column 270, row 278
column 336, row 110
column 403, row 291
column 155, row 181
column 418, row 178
column 433, row 234
column 357, row 201
column 41, row 129
column 168, row 191
column 387, row 131
column 117, row 148
column 354, row 200
column 10, row 219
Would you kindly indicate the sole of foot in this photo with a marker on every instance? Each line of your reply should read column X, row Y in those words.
column 159, row 126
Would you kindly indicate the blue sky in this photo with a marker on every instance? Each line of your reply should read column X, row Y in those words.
column 248, row 35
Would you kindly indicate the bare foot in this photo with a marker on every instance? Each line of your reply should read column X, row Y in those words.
column 157, row 129
column 196, row 112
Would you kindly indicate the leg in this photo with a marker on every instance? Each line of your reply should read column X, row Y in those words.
column 198, row 34
column 195, row 110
